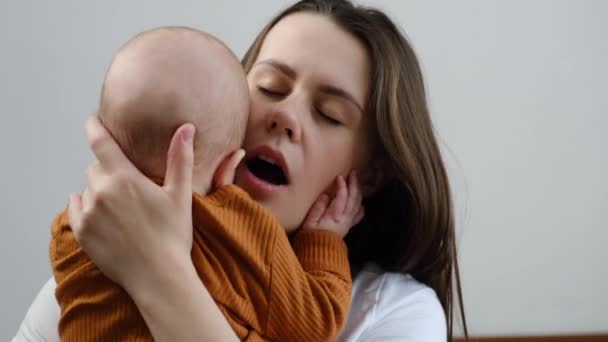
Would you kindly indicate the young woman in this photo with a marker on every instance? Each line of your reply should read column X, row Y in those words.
column 333, row 87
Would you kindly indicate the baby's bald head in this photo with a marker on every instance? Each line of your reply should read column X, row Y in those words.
column 165, row 77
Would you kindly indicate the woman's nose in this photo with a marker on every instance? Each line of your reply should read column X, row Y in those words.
column 284, row 123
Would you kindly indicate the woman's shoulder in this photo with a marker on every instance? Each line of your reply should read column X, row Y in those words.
column 386, row 304
column 42, row 317
column 389, row 291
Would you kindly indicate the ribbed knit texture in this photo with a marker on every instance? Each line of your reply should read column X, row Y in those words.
column 267, row 288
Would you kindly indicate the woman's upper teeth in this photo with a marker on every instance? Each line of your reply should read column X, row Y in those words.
column 268, row 160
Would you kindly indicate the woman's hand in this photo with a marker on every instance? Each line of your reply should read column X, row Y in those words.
column 128, row 225
column 140, row 235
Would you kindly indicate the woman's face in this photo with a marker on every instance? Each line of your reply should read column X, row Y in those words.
column 309, row 87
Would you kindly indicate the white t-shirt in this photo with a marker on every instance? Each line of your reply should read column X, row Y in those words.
column 389, row 307
column 385, row 307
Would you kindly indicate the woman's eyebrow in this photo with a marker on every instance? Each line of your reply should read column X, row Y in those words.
column 335, row 91
column 284, row 68
column 327, row 89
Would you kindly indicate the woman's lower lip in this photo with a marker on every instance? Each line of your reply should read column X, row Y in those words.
column 256, row 186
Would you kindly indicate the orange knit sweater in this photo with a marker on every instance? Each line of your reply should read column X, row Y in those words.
column 267, row 288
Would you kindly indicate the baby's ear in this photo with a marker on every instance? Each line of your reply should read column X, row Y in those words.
column 224, row 174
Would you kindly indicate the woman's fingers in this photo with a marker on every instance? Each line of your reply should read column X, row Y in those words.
column 180, row 161
column 225, row 172
column 104, row 147
column 336, row 208
column 96, row 185
column 122, row 214
column 85, row 199
column 75, row 211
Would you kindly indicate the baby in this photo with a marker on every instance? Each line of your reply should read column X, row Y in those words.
column 269, row 287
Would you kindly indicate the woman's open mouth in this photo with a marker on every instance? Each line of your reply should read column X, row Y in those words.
column 265, row 171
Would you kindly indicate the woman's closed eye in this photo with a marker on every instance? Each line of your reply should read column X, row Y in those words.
column 270, row 92
column 329, row 118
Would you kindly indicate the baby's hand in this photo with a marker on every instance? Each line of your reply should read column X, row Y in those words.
column 225, row 172
column 340, row 213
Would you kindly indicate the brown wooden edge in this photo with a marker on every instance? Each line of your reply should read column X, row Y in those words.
column 574, row 338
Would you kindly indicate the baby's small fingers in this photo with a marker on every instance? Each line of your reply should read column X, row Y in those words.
column 225, row 172
column 359, row 198
column 316, row 212
column 337, row 205
column 354, row 194
column 359, row 216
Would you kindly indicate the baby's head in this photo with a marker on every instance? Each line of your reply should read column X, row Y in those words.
column 163, row 78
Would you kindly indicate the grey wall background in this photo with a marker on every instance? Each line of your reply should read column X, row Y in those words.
column 518, row 91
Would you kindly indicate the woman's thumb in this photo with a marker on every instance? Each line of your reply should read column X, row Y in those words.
column 180, row 160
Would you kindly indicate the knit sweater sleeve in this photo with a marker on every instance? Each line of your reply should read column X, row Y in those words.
column 310, row 287
column 293, row 293
column 93, row 308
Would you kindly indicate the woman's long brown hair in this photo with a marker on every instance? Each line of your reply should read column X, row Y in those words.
column 409, row 221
